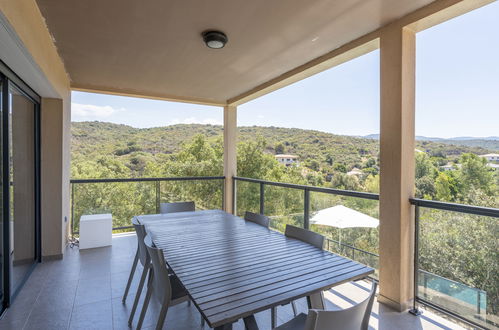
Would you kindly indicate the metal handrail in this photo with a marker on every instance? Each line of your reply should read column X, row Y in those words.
column 352, row 247
column 461, row 208
column 349, row 193
column 182, row 178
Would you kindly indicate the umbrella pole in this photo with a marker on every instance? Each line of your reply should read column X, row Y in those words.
column 339, row 240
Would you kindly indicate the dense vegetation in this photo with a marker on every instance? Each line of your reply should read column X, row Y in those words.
column 460, row 247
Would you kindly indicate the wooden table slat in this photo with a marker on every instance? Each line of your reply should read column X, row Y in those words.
column 281, row 264
column 259, row 293
column 250, row 275
column 240, row 257
column 234, row 267
column 262, row 281
column 284, row 297
column 212, row 248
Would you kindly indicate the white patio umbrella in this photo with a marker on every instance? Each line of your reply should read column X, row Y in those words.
column 340, row 216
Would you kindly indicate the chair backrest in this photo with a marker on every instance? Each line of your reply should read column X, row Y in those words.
column 177, row 207
column 353, row 318
column 140, row 230
column 160, row 281
column 257, row 218
column 304, row 235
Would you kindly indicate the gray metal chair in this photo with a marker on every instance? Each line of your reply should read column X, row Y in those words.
column 145, row 260
column 177, row 207
column 311, row 238
column 304, row 235
column 259, row 219
column 353, row 318
column 164, row 208
column 166, row 288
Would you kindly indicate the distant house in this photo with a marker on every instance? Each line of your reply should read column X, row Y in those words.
column 494, row 166
column 448, row 167
column 287, row 160
column 491, row 157
column 355, row 171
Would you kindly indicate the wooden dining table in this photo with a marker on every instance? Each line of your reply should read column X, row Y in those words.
column 232, row 268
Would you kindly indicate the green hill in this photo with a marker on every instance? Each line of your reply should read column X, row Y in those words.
column 317, row 150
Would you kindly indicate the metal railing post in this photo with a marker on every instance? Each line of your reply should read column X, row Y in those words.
column 72, row 210
column 262, row 198
column 234, row 195
column 478, row 302
column 158, row 196
column 306, row 209
column 415, row 310
column 223, row 194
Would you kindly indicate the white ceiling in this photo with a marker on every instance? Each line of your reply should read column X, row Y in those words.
column 154, row 48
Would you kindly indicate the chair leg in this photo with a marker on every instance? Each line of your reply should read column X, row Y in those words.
column 316, row 301
column 139, row 292
column 130, row 278
column 273, row 317
column 202, row 321
column 295, row 310
column 144, row 308
column 162, row 317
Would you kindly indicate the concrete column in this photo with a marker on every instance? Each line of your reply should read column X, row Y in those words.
column 54, row 176
column 230, row 154
column 396, row 231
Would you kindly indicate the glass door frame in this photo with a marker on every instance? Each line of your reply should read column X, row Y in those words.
column 10, row 80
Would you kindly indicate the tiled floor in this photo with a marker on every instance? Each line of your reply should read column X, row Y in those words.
column 83, row 291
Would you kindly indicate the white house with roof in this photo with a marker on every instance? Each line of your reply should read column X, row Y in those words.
column 355, row 171
column 287, row 160
column 493, row 166
column 491, row 157
column 448, row 167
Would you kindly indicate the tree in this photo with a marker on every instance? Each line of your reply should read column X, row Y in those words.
column 424, row 166
column 425, row 176
column 340, row 167
column 279, row 148
column 446, row 187
column 372, row 183
column 475, row 174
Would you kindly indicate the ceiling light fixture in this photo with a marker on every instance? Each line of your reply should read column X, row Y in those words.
column 214, row 39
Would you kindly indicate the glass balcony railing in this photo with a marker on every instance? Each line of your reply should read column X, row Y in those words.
column 457, row 257
column 126, row 198
column 297, row 205
column 457, row 254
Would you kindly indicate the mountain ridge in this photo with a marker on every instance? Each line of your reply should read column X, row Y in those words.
column 489, row 142
column 316, row 149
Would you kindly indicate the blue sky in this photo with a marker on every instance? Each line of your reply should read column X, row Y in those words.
column 457, row 91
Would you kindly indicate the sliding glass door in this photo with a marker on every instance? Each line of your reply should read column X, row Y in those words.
column 19, row 177
column 22, row 215
column 3, row 242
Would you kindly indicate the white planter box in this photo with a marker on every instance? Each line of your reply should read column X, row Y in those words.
column 96, row 230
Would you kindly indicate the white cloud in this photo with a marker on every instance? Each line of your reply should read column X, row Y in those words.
column 194, row 120
column 93, row 111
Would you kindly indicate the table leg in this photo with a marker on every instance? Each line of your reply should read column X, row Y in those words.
column 224, row 327
column 250, row 323
column 273, row 317
column 316, row 301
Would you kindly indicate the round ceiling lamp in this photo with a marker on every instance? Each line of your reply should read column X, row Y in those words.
column 215, row 39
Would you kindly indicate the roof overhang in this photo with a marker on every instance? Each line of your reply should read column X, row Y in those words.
column 154, row 49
